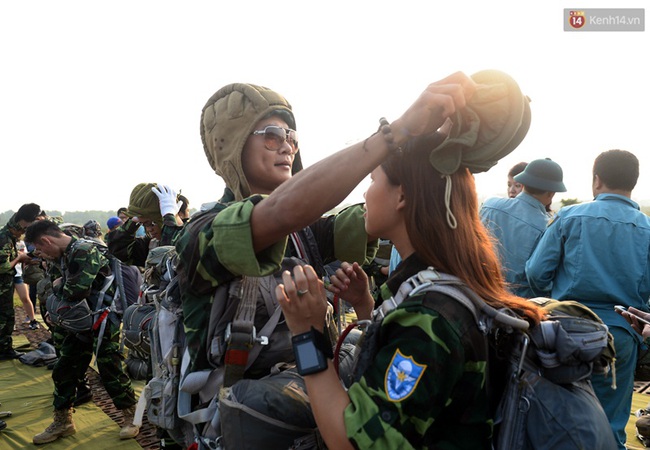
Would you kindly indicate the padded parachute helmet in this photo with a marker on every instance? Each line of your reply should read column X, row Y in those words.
column 228, row 118
column 493, row 124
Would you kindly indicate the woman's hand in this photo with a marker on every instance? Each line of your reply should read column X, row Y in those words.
column 438, row 101
column 302, row 299
column 350, row 282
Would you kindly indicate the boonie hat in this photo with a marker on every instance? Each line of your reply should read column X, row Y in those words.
column 542, row 174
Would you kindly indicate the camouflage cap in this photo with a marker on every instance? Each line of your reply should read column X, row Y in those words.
column 92, row 228
column 228, row 118
column 144, row 203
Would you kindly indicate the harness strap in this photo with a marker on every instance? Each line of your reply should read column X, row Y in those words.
column 432, row 280
column 240, row 334
column 119, row 295
column 101, row 321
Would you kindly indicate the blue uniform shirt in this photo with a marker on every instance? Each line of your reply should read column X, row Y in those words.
column 516, row 224
column 597, row 253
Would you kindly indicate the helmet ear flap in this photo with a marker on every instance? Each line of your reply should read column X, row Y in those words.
column 228, row 118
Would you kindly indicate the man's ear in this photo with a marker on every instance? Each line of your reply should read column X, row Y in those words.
column 597, row 183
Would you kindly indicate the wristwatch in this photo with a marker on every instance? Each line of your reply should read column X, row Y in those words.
column 312, row 350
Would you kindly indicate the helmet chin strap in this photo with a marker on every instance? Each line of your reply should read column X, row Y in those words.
column 451, row 219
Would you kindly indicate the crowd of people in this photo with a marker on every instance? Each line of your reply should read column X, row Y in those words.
column 422, row 199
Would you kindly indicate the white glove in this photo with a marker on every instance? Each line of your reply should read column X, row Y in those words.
column 167, row 198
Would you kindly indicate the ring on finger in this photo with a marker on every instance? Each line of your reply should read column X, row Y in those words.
column 302, row 292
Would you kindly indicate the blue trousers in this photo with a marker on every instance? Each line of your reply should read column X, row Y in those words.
column 617, row 403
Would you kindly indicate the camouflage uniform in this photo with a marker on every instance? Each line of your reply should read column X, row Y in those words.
column 84, row 269
column 8, row 253
column 421, row 380
column 124, row 245
column 219, row 250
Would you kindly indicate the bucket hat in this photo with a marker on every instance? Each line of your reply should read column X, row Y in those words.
column 542, row 174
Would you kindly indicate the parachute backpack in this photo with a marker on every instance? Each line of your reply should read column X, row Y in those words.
column 244, row 319
column 139, row 317
column 167, row 343
column 547, row 401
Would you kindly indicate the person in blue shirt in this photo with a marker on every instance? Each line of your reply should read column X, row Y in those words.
column 598, row 254
column 517, row 223
column 515, row 187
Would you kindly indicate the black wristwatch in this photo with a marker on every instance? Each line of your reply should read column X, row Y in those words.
column 312, row 350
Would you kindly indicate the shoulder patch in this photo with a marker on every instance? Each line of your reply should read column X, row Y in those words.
column 402, row 377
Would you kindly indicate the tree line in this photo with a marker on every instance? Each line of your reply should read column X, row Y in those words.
column 76, row 217
column 81, row 217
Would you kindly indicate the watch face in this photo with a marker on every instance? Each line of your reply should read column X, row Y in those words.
column 307, row 355
column 308, row 358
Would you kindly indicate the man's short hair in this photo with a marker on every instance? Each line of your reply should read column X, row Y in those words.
column 534, row 191
column 618, row 169
column 42, row 228
column 121, row 210
column 29, row 212
column 517, row 169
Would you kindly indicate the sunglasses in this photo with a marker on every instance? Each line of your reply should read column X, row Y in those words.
column 275, row 137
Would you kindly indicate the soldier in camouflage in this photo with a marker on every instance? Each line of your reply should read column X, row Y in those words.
column 9, row 257
column 83, row 272
column 43, row 290
column 420, row 379
column 249, row 138
column 155, row 208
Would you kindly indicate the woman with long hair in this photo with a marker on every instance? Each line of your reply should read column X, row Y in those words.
column 421, row 378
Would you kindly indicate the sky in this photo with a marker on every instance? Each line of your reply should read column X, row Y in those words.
column 98, row 96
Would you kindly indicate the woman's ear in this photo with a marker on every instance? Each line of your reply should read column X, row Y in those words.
column 401, row 201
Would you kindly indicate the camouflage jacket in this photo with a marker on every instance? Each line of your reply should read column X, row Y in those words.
column 421, row 379
column 123, row 243
column 84, row 269
column 8, row 253
column 216, row 248
column 222, row 249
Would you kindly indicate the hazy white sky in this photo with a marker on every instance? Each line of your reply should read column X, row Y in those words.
column 97, row 96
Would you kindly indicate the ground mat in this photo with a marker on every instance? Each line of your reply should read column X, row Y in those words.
column 26, row 391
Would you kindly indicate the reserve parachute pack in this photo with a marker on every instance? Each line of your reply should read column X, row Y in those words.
column 547, row 401
column 276, row 405
column 90, row 313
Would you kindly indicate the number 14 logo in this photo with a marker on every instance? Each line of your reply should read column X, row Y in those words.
column 577, row 19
